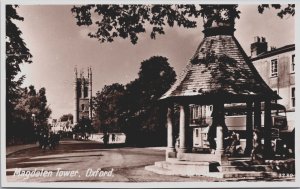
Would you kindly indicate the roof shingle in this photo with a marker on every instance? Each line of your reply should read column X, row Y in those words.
column 219, row 66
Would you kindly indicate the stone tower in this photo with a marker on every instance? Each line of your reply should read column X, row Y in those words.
column 82, row 95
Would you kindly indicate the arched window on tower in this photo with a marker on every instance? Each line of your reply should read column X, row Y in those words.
column 82, row 107
column 78, row 89
column 85, row 91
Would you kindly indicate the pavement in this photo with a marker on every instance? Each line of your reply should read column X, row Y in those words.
column 15, row 148
column 85, row 158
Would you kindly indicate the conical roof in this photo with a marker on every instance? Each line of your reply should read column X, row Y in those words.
column 220, row 68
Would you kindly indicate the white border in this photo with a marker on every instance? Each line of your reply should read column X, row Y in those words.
column 263, row 184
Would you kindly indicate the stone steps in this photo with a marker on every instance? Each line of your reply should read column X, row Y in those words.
column 185, row 168
column 227, row 168
column 248, row 174
column 241, row 168
column 159, row 170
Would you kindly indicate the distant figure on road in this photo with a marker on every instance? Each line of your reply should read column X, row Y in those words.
column 113, row 137
column 105, row 138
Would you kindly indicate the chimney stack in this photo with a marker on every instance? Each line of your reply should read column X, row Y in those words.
column 259, row 46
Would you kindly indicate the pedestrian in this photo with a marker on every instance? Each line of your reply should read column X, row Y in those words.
column 105, row 138
column 257, row 151
column 234, row 148
column 113, row 137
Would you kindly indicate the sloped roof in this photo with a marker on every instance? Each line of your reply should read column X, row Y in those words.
column 220, row 67
column 274, row 52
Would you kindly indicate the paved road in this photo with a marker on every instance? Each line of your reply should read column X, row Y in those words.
column 114, row 164
column 120, row 164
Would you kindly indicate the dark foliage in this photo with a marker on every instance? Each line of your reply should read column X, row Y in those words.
column 16, row 54
column 282, row 10
column 133, row 109
column 128, row 21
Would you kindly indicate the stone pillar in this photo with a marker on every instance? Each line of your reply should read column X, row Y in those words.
column 257, row 115
column 219, row 141
column 267, row 130
column 249, row 129
column 183, row 128
column 170, row 147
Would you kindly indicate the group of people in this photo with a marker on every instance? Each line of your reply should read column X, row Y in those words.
column 48, row 140
column 232, row 144
column 234, row 148
column 105, row 138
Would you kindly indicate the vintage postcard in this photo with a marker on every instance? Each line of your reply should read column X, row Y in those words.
column 103, row 94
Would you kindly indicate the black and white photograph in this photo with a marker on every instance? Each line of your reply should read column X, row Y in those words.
column 150, row 94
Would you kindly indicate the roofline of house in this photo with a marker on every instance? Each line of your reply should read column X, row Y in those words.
column 280, row 50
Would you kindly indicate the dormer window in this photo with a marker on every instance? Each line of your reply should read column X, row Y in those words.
column 274, row 68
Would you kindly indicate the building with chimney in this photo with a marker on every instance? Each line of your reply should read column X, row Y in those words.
column 277, row 68
column 82, row 95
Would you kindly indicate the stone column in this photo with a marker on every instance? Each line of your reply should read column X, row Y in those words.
column 267, row 130
column 182, row 128
column 219, row 142
column 219, row 124
column 249, row 129
column 257, row 115
column 170, row 147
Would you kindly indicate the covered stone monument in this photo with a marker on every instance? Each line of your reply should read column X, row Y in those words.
column 219, row 73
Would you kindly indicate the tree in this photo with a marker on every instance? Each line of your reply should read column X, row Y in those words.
column 282, row 11
column 107, row 107
column 16, row 54
column 133, row 109
column 66, row 117
column 125, row 21
column 30, row 103
column 143, row 116
column 83, row 126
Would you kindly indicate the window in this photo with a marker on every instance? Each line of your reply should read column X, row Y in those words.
column 293, row 98
column 197, row 133
column 293, row 64
column 274, row 71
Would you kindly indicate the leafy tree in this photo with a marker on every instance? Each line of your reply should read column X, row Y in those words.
column 16, row 54
column 143, row 116
column 44, row 110
column 282, row 11
column 30, row 103
column 83, row 126
column 67, row 117
column 133, row 109
column 107, row 107
column 33, row 103
column 127, row 21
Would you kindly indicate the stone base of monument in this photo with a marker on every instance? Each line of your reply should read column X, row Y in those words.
column 188, row 164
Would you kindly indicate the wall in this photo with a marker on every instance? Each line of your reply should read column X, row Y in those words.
column 281, row 83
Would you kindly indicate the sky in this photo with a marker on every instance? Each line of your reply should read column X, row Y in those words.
column 58, row 45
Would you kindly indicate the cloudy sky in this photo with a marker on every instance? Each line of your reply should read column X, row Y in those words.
column 58, row 45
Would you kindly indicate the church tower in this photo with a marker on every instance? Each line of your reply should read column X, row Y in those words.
column 82, row 96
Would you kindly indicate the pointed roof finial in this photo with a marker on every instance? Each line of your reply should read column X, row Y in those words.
column 75, row 71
